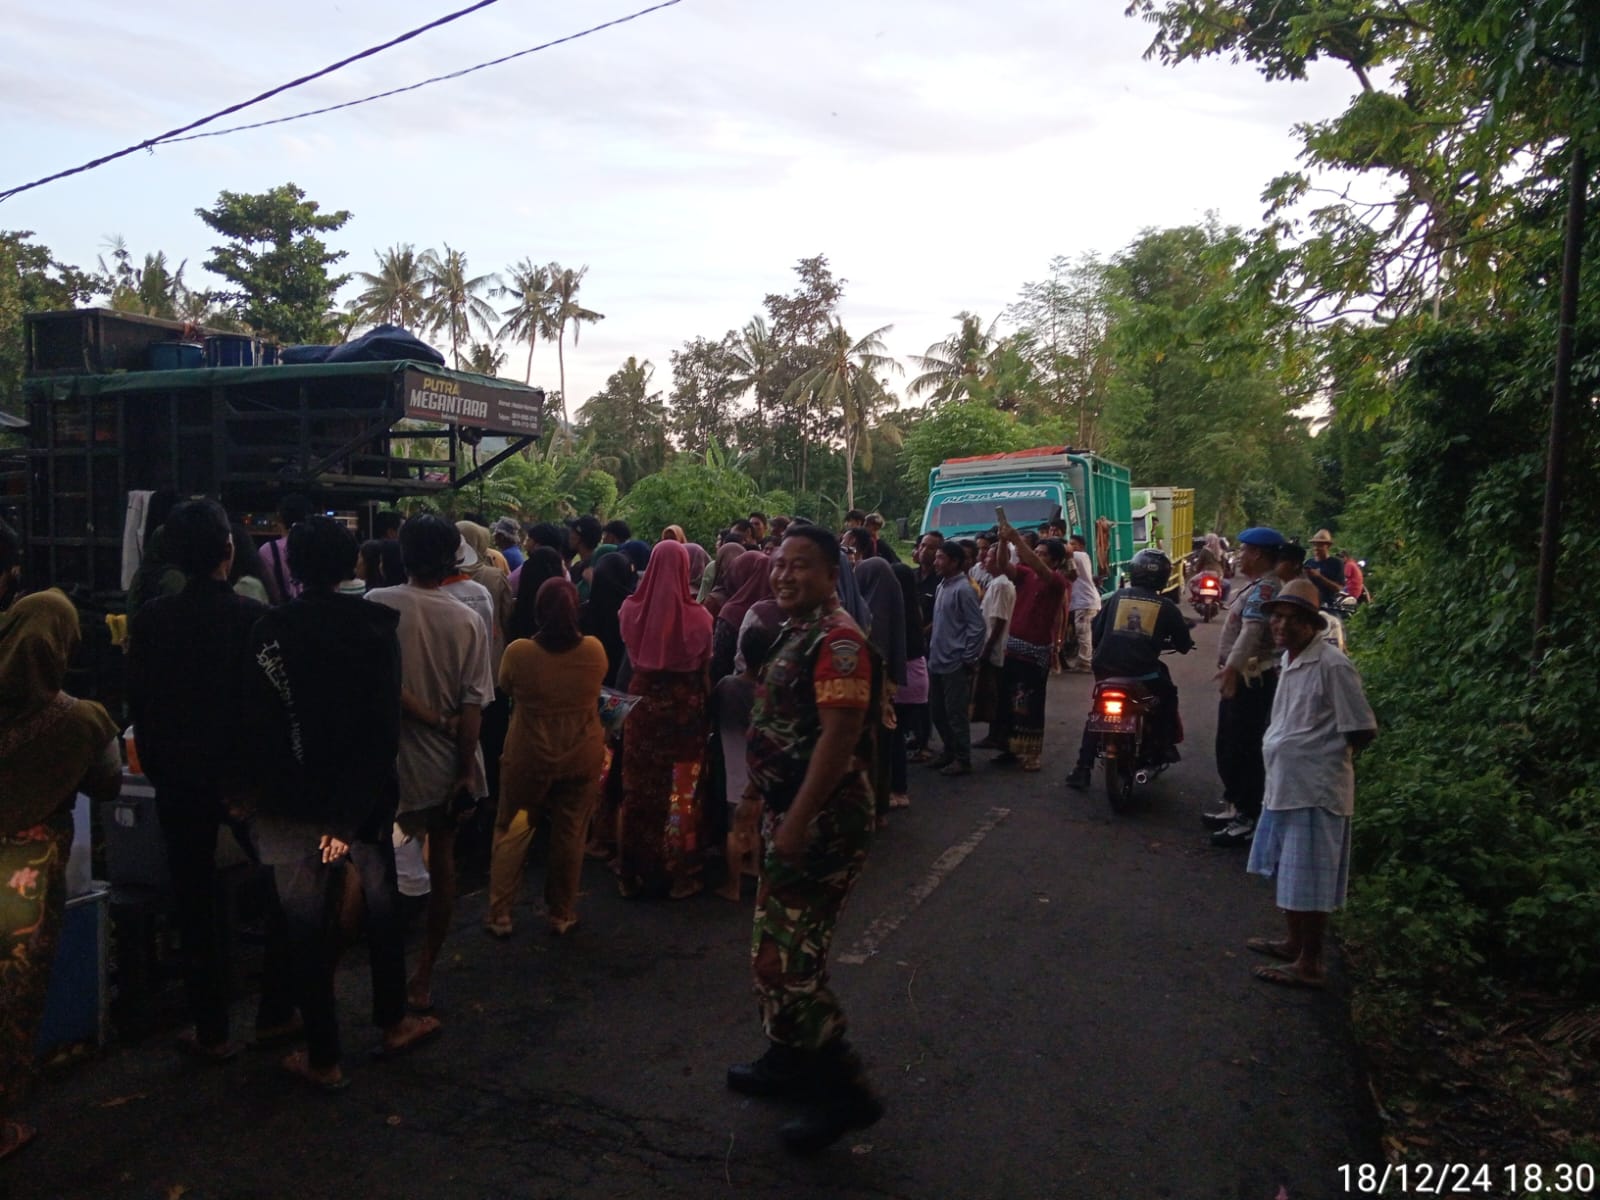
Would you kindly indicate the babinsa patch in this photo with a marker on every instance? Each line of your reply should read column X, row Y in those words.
column 844, row 656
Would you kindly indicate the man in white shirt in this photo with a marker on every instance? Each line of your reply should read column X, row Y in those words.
column 999, row 601
column 446, row 680
column 1083, row 602
column 1320, row 721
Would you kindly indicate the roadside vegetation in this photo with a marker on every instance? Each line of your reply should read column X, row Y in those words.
column 1377, row 357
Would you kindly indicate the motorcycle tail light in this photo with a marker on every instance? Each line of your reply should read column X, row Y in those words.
column 1111, row 703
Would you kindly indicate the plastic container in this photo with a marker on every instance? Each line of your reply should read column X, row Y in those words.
column 175, row 356
column 231, row 350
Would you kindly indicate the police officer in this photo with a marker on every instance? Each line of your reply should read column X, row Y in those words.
column 1130, row 632
column 1248, row 679
column 811, row 737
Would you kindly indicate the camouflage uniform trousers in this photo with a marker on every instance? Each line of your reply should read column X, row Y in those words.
column 797, row 910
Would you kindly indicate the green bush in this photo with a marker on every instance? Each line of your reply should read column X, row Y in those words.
column 701, row 497
column 1477, row 835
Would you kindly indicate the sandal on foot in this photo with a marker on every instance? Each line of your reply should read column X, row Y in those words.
column 299, row 1065
column 501, row 928
column 429, row 1028
column 561, row 926
column 1270, row 948
column 899, row 800
column 1284, row 976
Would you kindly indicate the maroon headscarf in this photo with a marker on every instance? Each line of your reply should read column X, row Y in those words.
column 750, row 580
column 556, row 609
column 662, row 626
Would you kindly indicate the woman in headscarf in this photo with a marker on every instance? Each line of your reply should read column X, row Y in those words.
column 480, row 569
column 601, row 614
column 721, row 586
column 553, row 755
column 542, row 564
column 698, row 561
column 911, row 703
column 749, row 580
column 668, row 637
column 880, row 592
column 601, row 618
column 52, row 747
column 849, row 594
column 674, row 533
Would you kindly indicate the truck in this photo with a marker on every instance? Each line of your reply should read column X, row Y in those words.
column 1163, row 519
column 106, row 420
column 1089, row 494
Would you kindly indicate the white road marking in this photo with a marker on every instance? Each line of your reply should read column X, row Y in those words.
column 866, row 946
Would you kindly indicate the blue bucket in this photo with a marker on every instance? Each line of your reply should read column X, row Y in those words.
column 230, row 350
column 175, row 356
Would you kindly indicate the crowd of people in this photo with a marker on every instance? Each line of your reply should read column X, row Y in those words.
column 690, row 718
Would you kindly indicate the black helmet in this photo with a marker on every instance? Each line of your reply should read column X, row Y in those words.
column 1150, row 569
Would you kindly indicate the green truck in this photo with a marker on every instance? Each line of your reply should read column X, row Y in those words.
column 1088, row 493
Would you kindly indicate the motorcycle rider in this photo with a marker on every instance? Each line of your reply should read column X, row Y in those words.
column 1132, row 629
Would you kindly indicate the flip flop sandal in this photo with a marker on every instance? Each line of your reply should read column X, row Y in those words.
column 499, row 929
column 383, row 1050
column 1270, row 948
column 1284, row 977
column 312, row 1081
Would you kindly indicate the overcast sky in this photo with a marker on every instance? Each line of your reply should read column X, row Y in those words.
column 939, row 152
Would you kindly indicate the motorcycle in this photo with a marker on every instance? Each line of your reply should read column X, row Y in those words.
column 1120, row 714
column 1205, row 594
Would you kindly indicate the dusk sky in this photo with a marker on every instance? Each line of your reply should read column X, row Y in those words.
column 938, row 152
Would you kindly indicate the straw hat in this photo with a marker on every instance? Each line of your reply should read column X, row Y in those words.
column 1299, row 595
column 1322, row 538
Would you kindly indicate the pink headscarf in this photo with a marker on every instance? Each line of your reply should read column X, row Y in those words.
column 750, row 578
column 662, row 627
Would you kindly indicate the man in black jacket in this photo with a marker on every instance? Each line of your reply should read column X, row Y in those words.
column 324, row 699
column 186, row 660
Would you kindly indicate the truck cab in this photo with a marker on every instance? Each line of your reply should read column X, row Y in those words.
column 1035, row 486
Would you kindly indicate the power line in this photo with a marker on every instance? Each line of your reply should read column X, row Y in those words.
column 494, row 62
column 172, row 134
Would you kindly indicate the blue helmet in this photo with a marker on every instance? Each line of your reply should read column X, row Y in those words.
column 1262, row 535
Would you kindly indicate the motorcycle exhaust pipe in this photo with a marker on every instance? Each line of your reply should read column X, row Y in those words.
column 1141, row 777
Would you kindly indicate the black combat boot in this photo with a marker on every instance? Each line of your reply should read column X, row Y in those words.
column 781, row 1071
column 840, row 1101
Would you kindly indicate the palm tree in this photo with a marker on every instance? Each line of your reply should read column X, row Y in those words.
column 454, row 303
column 565, row 310
column 396, row 293
column 952, row 366
column 847, row 381
column 754, row 354
column 155, row 289
column 530, row 317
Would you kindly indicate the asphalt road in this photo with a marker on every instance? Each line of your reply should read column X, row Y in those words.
column 1055, row 1002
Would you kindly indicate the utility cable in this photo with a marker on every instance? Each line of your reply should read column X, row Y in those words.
column 494, row 62
column 172, row 134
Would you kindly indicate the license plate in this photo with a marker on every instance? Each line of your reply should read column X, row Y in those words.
column 1099, row 723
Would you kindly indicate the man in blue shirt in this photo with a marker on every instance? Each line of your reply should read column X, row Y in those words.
column 954, row 651
column 508, row 540
column 1324, row 568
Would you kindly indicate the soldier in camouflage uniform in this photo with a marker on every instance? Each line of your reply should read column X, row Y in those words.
column 811, row 741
